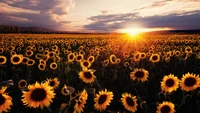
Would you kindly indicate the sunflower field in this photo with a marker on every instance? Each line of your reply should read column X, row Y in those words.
column 99, row 73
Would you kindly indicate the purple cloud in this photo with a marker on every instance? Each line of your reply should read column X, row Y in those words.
column 186, row 20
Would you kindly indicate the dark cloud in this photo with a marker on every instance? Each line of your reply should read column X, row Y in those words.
column 187, row 20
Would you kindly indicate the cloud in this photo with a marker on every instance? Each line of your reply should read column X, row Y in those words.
column 185, row 20
column 44, row 13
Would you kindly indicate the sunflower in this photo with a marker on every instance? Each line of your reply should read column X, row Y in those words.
column 165, row 107
column 103, row 99
column 82, row 52
column 30, row 62
column 142, row 55
column 136, row 56
column 170, row 83
column 189, row 82
column 71, row 57
column 53, row 82
column 29, row 53
column 53, row 65
column 126, row 64
column 67, row 90
column 22, row 84
column 129, row 102
column 87, row 76
column 41, row 67
column 16, row 59
column 80, row 103
column 39, row 95
column 5, row 100
column 2, row 60
column 85, row 64
column 79, row 58
column 106, row 62
column 91, row 59
column 25, row 60
column 139, row 74
column 113, row 59
column 154, row 58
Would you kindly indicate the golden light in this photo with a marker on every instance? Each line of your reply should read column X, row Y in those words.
column 135, row 31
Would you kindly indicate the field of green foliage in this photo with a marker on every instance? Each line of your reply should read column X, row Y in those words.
column 99, row 73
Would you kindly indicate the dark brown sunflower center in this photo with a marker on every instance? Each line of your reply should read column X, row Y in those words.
column 154, row 57
column 23, row 83
column 139, row 74
column 169, row 82
column 102, row 99
column 2, row 99
column 52, row 83
column 90, row 59
column 71, row 57
column 29, row 53
column 41, row 66
column 38, row 94
column 79, row 58
column 1, row 59
column 30, row 62
column 16, row 59
column 24, row 60
column 85, row 64
column 165, row 109
column 190, row 81
column 130, row 101
column 50, row 54
column 53, row 65
column 88, row 75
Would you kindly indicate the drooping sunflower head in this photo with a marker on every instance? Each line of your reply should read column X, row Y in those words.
column 5, row 101
column 139, row 74
column 80, row 103
column 67, row 90
column 39, row 95
column 53, row 82
column 189, row 82
column 22, row 84
column 103, row 99
column 165, row 107
column 3, row 60
column 87, row 76
column 169, row 83
column 129, row 102
column 16, row 59
column 154, row 58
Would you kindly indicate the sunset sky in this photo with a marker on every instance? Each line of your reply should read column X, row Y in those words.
column 101, row 15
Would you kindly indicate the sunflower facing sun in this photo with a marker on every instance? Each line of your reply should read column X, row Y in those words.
column 129, row 102
column 103, row 99
column 39, row 95
column 170, row 83
column 139, row 74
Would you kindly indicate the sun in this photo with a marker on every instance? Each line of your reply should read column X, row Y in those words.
column 133, row 32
